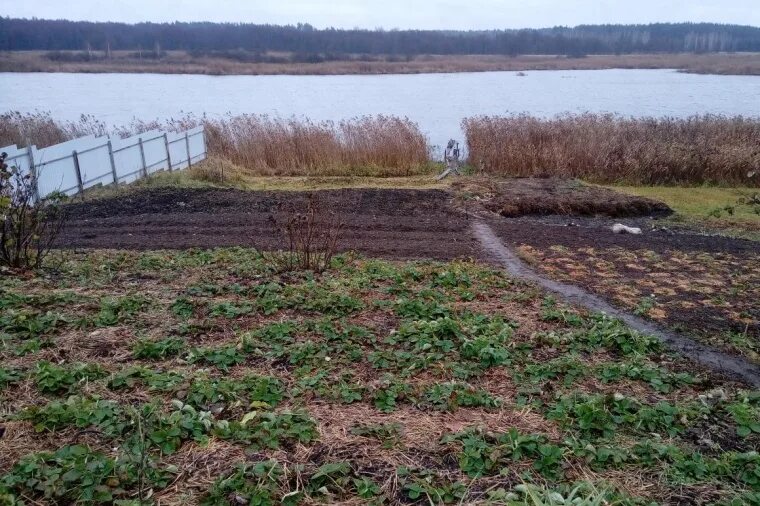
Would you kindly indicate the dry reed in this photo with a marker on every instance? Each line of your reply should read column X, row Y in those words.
column 370, row 145
column 180, row 62
column 612, row 149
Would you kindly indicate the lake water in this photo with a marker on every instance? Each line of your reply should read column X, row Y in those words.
column 438, row 102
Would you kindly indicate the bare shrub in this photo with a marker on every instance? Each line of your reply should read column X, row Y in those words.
column 28, row 227
column 610, row 149
column 310, row 238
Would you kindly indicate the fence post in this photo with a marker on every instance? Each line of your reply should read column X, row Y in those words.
column 142, row 157
column 203, row 141
column 168, row 154
column 113, row 163
column 78, row 170
column 33, row 173
column 187, row 147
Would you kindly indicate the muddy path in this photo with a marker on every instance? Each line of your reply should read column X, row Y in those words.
column 733, row 366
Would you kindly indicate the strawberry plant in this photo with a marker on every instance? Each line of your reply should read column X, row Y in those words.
column 222, row 357
column 157, row 350
column 230, row 310
column 450, row 396
column 115, row 310
column 51, row 379
column 268, row 430
column 183, row 308
column 9, row 376
column 168, row 431
column 29, row 324
column 71, row 474
column 745, row 413
column 255, row 484
column 77, row 412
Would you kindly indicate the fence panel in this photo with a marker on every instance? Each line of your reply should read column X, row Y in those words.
column 177, row 150
column 155, row 153
column 129, row 157
column 127, row 160
column 95, row 165
column 56, row 169
column 197, row 144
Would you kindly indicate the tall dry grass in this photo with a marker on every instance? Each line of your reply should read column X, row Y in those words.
column 262, row 145
column 612, row 149
column 181, row 62
column 41, row 129
column 369, row 145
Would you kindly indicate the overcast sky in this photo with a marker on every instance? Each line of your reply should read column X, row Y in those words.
column 436, row 14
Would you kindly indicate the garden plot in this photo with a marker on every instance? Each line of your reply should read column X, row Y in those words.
column 710, row 295
column 201, row 376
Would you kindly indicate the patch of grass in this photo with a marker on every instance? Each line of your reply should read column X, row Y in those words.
column 714, row 207
column 198, row 177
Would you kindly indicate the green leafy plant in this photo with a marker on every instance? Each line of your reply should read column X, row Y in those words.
column 72, row 474
column 449, row 396
column 268, row 430
column 222, row 357
column 167, row 432
column 183, row 307
column 51, row 379
column 255, row 484
column 114, row 310
column 230, row 309
column 29, row 324
column 157, row 350
column 9, row 376
column 79, row 412
column 745, row 411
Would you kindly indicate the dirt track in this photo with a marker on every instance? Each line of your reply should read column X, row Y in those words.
column 387, row 223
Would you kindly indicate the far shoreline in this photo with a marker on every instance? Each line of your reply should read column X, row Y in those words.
column 180, row 62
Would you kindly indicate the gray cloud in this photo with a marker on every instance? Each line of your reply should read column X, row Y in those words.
column 433, row 14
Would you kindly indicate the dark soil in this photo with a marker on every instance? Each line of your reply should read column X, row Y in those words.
column 400, row 224
column 580, row 232
column 551, row 196
column 385, row 223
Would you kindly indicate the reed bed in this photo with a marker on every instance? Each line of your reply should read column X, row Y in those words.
column 180, row 62
column 260, row 145
column 612, row 149
column 369, row 145
column 41, row 129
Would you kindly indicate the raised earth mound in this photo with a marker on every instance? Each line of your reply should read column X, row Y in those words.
column 545, row 196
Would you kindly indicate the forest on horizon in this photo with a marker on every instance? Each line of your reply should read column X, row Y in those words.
column 18, row 34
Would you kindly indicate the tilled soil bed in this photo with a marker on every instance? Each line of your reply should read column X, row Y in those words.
column 385, row 223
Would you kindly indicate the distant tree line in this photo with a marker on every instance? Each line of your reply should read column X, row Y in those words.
column 58, row 35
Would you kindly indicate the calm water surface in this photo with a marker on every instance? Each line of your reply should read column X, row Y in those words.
column 438, row 102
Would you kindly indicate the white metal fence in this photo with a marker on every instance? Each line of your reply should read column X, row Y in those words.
column 73, row 166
